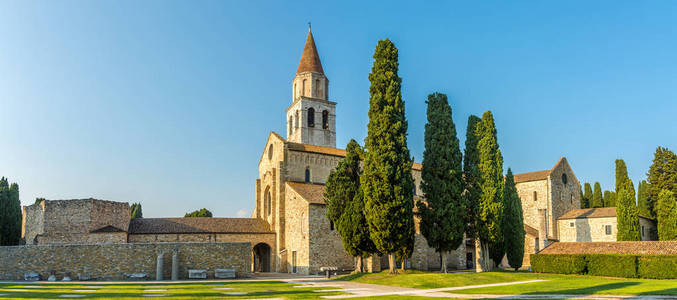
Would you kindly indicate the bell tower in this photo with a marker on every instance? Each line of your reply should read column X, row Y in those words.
column 311, row 117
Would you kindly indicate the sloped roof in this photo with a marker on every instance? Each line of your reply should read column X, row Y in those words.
column 312, row 193
column 310, row 60
column 530, row 230
column 197, row 225
column 643, row 247
column 537, row 175
column 106, row 229
column 583, row 213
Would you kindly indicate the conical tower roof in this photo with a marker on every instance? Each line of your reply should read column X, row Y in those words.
column 310, row 60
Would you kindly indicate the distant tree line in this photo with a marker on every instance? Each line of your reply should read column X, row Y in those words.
column 203, row 213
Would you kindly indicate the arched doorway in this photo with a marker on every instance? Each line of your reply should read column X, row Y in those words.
column 261, row 257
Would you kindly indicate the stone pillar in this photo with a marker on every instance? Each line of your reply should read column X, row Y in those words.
column 373, row 264
column 175, row 265
column 158, row 270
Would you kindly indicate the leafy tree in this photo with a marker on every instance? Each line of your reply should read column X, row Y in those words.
column 345, row 205
column 597, row 200
column 135, row 211
column 645, row 208
column 513, row 224
column 386, row 181
column 471, row 176
column 202, row 213
column 609, row 199
column 491, row 185
column 587, row 196
column 662, row 176
column 666, row 211
column 443, row 211
column 627, row 214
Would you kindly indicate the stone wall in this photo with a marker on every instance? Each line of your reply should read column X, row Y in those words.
column 297, row 234
column 565, row 196
column 33, row 222
column 532, row 208
column 594, row 229
column 326, row 246
column 112, row 261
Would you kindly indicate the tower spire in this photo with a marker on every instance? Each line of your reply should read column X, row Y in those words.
column 310, row 60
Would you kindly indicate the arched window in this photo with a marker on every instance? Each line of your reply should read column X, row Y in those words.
column 325, row 119
column 270, row 152
column 296, row 121
column 291, row 123
column 326, row 90
column 303, row 88
column 268, row 202
column 294, row 91
column 317, row 88
column 311, row 117
column 535, row 196
column 307, row 175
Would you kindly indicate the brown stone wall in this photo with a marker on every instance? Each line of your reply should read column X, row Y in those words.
column 326, row 247
column 252, row 238
column 32, row 222
column 565, row 197
column 532, row 209
column 111, row 213
column 297, row 233
column 112, row 261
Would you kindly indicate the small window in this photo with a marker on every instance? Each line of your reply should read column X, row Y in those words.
column 317, row 88
column 303, row 88
column 296, row 120
column 270, row 152
column 307, row 175
column 413, row 190
column 331, row 225
column 564, row 178
column 535, row 196
column 536, row 245
column 291, row 125
column 571, row 224
column 311, row 117
column 325, row 119
column 607, row 228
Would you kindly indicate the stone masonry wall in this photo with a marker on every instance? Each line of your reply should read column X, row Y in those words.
column 531, row 207
column 326, row 246
column 112, row 261
column 297, row 236
column 565, row 196
column 32, row 222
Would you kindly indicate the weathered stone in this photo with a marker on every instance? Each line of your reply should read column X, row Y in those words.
column 197, row 274
column 224, row 273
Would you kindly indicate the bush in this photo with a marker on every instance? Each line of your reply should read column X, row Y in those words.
column 558, row 263
column 616, row 265
column 657, row 266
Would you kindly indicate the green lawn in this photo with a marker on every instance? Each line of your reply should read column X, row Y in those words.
column 555, row 284
column 254, row 289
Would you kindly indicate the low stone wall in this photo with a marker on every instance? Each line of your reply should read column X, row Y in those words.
column 112, row 261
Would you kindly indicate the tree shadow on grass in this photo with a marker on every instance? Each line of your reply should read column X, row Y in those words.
column 598, row 289
column 663, row 292
column 352, row 277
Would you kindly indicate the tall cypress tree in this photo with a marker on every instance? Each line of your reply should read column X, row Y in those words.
column 621, row 175
column 386, row 182
column 662, row 175
column 14, row 216
column 491, row 185
column 345, row 205
column 645, row 208
column 471, row 176
column 4, row 215
column 513, row 224
column 597, row 196
column 136, row 211
column 666, row 211
column 587, row 196
column 609, row 199
column 443, row 211
column 627, row 214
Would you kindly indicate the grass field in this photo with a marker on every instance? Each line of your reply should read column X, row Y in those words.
column 555, row 284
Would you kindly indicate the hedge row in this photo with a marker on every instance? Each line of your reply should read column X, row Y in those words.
column 615, row 265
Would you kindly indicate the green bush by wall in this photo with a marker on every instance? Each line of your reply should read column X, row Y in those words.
column 657, row 266
column 558, row 263
column 615, row 265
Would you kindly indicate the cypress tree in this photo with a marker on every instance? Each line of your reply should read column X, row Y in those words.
column 491, row 185
column 4, row 212
column 643, row 199
column 386, row 181
column 609, row 199
column 14, row 216
column 136, row 211
column 627, row 214
column 345, row 205
column 513, row 224
column 597, row 200
column 666, row 211
column 662, row 175
column 621, row 175
column 587, row 196
column 471, row 176
column 443, row 211
column 583, row 200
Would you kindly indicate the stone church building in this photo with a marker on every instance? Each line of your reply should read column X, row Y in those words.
column 288, row 230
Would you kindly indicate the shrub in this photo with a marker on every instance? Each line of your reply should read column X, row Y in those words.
column 657, row 266
column 558, row 263
column 616, row 265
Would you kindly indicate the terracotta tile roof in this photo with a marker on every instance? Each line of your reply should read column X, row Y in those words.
column 532, row 176
column 310, row 60
column 316, row 149
column 197, row 225
column 602, row 212
column 644, row 247
column 416, row 166
column 530, row 230
column 312, row 193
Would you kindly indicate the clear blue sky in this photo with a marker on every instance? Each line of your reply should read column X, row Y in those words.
column 169, row 103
